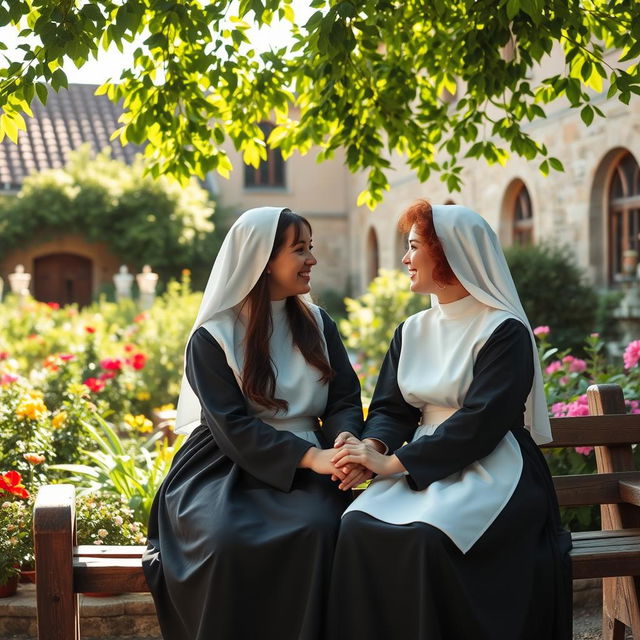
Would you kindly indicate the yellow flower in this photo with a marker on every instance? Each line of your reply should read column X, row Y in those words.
column 31, row 406
column 365, row 412
column 59, row 419
column 140, row 423
column 78, row 390
column 143, row 395
column 165, row 407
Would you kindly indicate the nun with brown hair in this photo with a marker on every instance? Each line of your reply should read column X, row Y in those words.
column 243, row 528
column 458, row 536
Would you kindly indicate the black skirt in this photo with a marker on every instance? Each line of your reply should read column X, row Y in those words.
column 239, row 558
column 411, row 582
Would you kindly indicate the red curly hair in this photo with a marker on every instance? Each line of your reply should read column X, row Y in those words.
column 420, row 214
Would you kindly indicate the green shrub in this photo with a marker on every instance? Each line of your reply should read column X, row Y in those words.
column 553, row 292
column 372, row 319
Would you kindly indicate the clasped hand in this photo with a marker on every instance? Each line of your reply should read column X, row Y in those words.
column 358, row 460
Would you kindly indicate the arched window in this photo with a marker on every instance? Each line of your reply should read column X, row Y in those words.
column 522, row 218
column 373, row 260
column 624, row 211
column 270, row 173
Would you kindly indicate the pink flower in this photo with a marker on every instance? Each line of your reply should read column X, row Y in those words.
column 94, row 384
column 66, row 357
column 575, row 364
column 7, row 378
column 632, row 354
column 4, row 355
column 559, row 409
column 553, row 367
column 580, row 407
column 107, row 375
column 595, row 335
column 542, row 331
column 584, row 451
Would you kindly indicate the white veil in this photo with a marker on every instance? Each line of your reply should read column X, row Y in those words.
column 476, row 258
column 242, row 259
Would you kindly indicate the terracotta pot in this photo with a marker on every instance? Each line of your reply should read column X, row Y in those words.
column 28, row 576
column 9, row 588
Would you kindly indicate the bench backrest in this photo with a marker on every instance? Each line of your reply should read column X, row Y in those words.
column 612, row 432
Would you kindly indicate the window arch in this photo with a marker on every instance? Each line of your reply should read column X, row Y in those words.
column 373, row 255
column 624, row 211
column 522, row 220
column 270, row 172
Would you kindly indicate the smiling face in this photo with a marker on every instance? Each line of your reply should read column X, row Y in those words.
column 420, row 264
column 290, row 269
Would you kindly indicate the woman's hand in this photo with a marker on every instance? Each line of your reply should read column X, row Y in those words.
column 319, row 460
column 366, row 454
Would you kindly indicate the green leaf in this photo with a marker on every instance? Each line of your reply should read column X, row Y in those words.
column 513, row 8
column 587, row 114
column 544, row 168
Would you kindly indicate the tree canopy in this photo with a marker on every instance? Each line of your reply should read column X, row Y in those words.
column 369, row 76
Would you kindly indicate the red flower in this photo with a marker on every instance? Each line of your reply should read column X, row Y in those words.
column 90, row 329
column 141, row 317
column 50, row 363
column 11, row 482
column 138, row 361
column 107, row 375
column 111, row 364
column 129, row 347
column 4, row 355
column 94, row 384
column 53, row 305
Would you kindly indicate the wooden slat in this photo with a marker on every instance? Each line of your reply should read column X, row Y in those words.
column 110, row 551
column 584, row 431
column 595, row 488
column 612, row 533
column 109, row 575
column 630, row 491
column 606, row 558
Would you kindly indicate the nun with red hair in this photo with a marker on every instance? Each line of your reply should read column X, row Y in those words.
column 458, row 536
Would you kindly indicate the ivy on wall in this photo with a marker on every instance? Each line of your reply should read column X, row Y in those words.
column 141, row 219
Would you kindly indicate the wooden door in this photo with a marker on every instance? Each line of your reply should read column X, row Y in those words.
column 64, row 278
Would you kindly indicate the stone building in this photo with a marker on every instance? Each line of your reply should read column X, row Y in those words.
column 594, row 206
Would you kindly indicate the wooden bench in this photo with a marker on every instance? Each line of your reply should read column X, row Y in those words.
column 64, row 569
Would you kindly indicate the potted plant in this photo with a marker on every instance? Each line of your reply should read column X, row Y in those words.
column 16, row 545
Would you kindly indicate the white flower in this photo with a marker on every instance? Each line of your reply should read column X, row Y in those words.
column 118, row 520
column 103, row 533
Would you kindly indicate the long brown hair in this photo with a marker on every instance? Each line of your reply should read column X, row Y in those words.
column 258, row 377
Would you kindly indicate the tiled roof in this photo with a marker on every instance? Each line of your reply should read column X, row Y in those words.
column 70, row 118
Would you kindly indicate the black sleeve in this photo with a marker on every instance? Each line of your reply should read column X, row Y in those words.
column 494, row 404
column 344, row 405
column 391, row 419
column 270, row 455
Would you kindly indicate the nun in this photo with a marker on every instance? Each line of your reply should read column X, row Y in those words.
column 459, row 535
column 242, row 530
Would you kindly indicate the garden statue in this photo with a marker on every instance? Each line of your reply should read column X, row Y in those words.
column 19, row 282
column 147, row 281
column 123, row 281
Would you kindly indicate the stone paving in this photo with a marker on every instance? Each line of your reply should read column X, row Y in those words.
column 131, row 616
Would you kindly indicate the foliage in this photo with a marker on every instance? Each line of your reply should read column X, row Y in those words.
column 106, row 519
column 369, row 77
column 372, row 319
column 122, row 468
column 553, row 291
column 16, row 547
column 143, row 221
